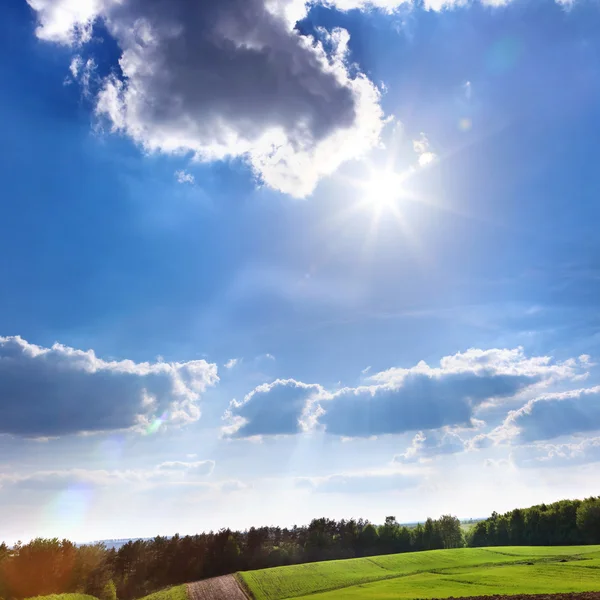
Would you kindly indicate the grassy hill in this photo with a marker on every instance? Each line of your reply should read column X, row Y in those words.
column 64, row 597
column 435, row 574
column 177, row 592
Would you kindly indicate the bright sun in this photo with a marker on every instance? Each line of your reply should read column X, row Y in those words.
column 383, row 190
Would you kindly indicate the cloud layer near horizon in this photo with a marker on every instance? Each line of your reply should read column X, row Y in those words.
column 357, row 483
column 47, row 392
column 194, row 477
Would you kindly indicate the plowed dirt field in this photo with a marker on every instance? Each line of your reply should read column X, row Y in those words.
column 218, row 588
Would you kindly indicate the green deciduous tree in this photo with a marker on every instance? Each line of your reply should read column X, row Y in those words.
column 450, row 531
column 588, row 520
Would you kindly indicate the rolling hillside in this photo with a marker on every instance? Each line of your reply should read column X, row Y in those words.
column 435, row 574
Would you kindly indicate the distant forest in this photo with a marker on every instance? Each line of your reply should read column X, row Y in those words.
column 140, row 567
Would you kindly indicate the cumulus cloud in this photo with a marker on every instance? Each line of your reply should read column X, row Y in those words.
column 426, row 446
column 557, row 455
column 481, row 441
column 553, row 415
column 421, row 148
column 184, row 177
column 397, row 400
column 278, row 408
column 386, row 5
column 228, row 79
column 231, row 363
column 61, row 390
column 436, row 5
column 67, row 21
column 356, row 483
column 233, row 78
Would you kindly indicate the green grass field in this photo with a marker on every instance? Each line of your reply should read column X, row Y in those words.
column 64, row 597
column 435, row 574
column 177, row 592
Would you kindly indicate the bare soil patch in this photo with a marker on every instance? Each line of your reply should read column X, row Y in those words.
column 220, row 588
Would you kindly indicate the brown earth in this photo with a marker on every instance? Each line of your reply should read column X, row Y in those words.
column 571, row 596
column 221, row 588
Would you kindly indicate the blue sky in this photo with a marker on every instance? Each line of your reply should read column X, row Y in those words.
column 265, row 261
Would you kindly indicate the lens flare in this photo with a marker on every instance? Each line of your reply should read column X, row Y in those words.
column 70, row 506
column 465, row 124
column 157, row 424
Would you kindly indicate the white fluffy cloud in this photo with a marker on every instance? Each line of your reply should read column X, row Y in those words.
column 421, row 148
column 278, row 408
column 61, row 390
column 426, row 446
column 67, row 21
column 435, row 5
column 184, row 177
column 397, row 400
column 551, row 416
column 228, row 79
column 386, row 5
column 234, row 78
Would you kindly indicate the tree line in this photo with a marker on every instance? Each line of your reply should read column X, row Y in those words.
column 140, row 567
column 562, row 523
